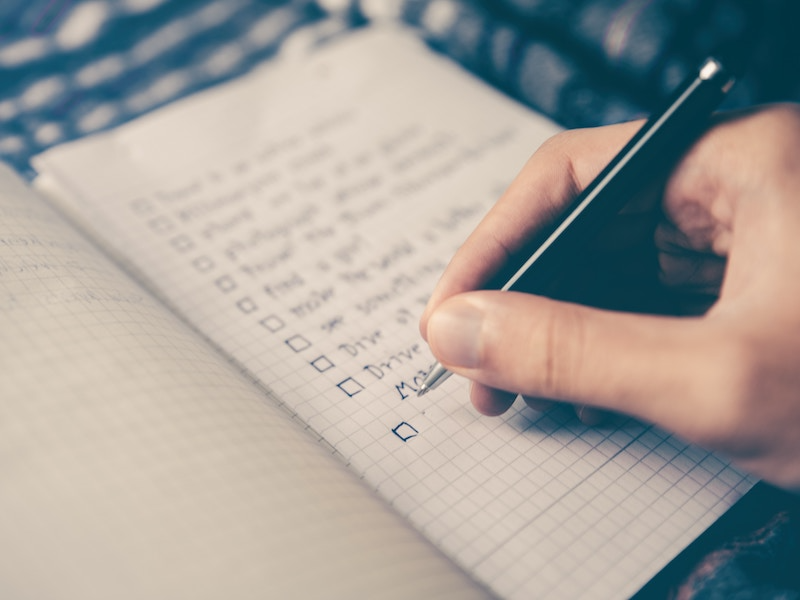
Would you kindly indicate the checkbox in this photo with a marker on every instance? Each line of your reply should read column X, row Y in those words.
column 225, row 284
column 350, row 386
column 405, row 431
column 247, row 306
column 322, row 364
column 298, row 343
column 272, row 323
column 203, row 264
column 182, row 243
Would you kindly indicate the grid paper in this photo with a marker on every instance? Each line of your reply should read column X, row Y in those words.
column 323, row 312
column 138, row 463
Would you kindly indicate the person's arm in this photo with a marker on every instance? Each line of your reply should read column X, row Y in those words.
column 730, row 225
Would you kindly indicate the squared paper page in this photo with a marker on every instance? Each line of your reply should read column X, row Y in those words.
column 137, row 463
column 299, row 218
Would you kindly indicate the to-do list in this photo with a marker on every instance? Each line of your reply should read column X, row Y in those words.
column 299, row 220
column 327, row 250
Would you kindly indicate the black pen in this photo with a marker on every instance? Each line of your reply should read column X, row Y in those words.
column 655, row 147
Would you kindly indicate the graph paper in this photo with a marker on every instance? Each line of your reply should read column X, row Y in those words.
column 289, row 233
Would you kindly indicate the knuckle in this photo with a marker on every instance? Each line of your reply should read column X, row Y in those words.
column 780, row 124
column 555, row 166
column 558, row 357
column 558, row 151
column 783, row 120
column 730, row 392
column 559, row 143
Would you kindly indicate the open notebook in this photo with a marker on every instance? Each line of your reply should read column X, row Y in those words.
column 195, row 384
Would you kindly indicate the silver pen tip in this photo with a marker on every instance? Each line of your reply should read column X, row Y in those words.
column 424, row 389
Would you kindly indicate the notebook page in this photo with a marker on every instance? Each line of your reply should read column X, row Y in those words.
column 137, row 463
column 299, row 218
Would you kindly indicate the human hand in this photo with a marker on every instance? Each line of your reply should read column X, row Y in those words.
column 726, row 230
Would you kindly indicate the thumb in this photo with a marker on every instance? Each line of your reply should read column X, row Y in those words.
column 636, row 364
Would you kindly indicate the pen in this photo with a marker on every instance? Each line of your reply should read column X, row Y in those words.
column 656, row 146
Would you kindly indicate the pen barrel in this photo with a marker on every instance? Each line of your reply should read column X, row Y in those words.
column 647, row 158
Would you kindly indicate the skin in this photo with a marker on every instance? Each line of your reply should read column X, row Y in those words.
column 719, row 364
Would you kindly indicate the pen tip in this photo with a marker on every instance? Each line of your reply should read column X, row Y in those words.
column 423, row 390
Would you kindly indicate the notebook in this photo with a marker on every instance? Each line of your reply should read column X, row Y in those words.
column 211, row 357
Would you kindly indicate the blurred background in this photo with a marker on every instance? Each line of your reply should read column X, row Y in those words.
column 73, row 67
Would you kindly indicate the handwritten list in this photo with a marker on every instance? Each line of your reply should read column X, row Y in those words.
column 325, row 248
column 299, row 219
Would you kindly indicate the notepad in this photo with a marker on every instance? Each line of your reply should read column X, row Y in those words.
column 280, row 236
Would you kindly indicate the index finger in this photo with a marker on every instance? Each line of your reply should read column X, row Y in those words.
column 552, row 177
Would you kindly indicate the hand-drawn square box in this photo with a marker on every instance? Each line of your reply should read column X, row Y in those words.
column 247, row 306
column 298, row 343
column 405, row 431
column 272, row 323
column 322, row 364
column 203, row 264
column 182, row 243
column 161, row 225
column 350, row 386
column 226, row 284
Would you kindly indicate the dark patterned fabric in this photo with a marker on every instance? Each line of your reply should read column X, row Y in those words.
column 590, row 62
column 759, row 564
column 69, row 68
column 72, row 67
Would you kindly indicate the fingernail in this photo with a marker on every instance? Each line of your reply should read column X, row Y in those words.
column 454, row 333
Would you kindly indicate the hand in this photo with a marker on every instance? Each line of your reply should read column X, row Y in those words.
column 724, row 229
